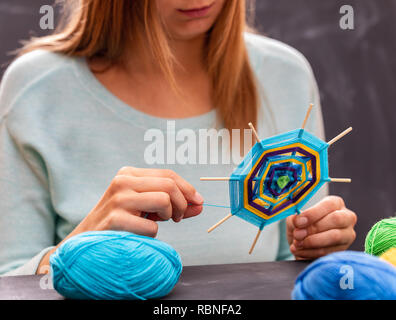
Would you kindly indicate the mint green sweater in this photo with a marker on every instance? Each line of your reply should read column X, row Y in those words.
column 63, row 137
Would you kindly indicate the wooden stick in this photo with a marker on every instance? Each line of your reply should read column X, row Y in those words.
column 346, row 180
column 307, row 115
column 339, row 136
column 219, row 223
column 254, row 132
column 255, row 241
column 214, row 178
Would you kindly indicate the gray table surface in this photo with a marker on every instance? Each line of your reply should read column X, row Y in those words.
column 250, row 281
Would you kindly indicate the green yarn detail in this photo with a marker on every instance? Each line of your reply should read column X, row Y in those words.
column 381, row 237
column 283, row 181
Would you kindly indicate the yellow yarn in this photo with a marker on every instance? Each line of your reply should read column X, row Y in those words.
column 390, row 256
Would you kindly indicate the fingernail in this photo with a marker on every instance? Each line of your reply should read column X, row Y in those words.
column 300, row 234
column 198, row 198
column 301, row 222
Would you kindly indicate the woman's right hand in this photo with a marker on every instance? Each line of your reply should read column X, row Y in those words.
column 135, row 200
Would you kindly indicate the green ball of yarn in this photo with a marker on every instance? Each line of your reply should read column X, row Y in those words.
column 381, row 237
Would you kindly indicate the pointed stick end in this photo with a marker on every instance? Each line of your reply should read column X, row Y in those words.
column 255, row 241
column 220, row 222
column 342, row 134
column 307, row 115
column 344, row 180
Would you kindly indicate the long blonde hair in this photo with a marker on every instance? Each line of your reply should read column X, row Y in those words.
column 91, row 28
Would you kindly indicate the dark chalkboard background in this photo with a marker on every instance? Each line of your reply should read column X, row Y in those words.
column 356, row 72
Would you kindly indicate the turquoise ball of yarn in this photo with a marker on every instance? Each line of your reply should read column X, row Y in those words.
column 114, row 265
column 347, row 275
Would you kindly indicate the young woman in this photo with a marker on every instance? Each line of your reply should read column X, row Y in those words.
column 76, row 108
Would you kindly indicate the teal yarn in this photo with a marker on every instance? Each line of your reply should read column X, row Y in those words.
column 114, row 265
column 381, row 237
column 370, row 278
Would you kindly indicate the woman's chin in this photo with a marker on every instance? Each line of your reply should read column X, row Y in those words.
column 191, row 30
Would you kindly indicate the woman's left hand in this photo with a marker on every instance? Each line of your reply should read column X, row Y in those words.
column 326, row 227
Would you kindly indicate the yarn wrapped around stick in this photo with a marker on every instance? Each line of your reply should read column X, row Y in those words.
column 381, row 237
column 347, row 275
column 114, row 265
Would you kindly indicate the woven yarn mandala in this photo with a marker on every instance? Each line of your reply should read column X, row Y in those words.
column 278, row 176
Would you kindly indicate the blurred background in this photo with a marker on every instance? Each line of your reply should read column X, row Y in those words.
column 356, row 73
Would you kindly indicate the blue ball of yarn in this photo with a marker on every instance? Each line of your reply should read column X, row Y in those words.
column 347, row 275
column 114, row 265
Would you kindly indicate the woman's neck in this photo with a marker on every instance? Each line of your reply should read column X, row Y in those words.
column 141, row 72
column 188, row 55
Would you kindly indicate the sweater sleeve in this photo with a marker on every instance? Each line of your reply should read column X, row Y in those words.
column 27, row 220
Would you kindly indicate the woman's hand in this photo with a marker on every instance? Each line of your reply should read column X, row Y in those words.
column 326, row 227
column 135, row 200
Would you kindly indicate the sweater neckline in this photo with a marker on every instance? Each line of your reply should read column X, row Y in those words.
column 127, row 112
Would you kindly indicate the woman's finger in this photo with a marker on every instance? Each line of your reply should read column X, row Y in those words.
column 333, row 237
column 338, row 219
column 318, row 211
column 314, row 253
column 290, row 227
column 123, row 220
column 137, row 203
column 189, row 192
column 191, row 211
column 155, row 184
